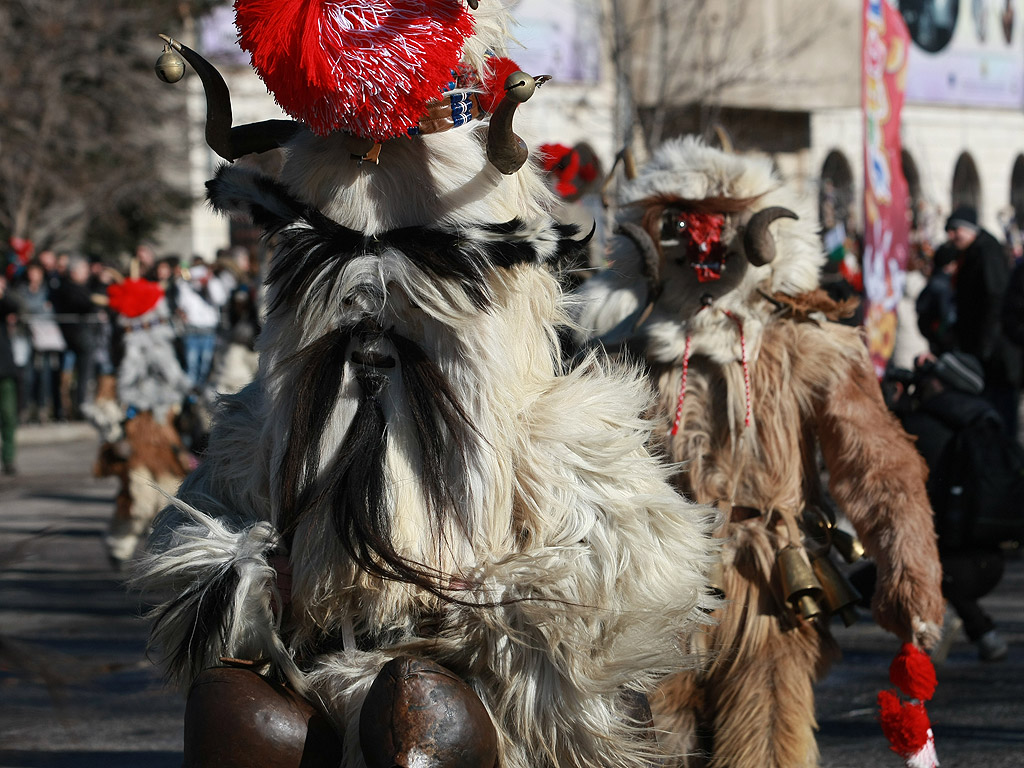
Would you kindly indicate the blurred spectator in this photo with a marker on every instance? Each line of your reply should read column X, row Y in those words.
column 945, row 402
column 1013, row 306
column 8, row 381
column 48, row 260
column 162, row 272
column 982, row 277
column 1012, row 234
column 841, row 276
column 77, row 315
column 46, row 339
column 63, row 264
column 100, row 278
column 201, row 321
column 146, row 258
column 19, row 254
column 237, row 367
column 936, row 304
column 910, row 344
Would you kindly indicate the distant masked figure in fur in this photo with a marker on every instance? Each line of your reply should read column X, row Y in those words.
column 135, row 412
column 415, row 519
column 713, row 282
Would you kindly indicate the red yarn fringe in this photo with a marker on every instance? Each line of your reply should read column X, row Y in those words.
column 367, row 67
column 913, row 673
column 905, row 724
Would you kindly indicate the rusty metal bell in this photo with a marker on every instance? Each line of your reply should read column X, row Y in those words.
column 848, row 545
column 170, row 67
column 799, row 584
column 839, row 595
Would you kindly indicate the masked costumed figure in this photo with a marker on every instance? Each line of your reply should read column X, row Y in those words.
column 714, row 280
column 485, row 560
column 134, row 414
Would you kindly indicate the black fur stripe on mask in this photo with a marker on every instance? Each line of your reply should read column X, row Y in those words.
column 321, row 368
column 352, row 488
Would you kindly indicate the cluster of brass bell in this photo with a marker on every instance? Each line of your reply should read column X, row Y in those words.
column 813, row 585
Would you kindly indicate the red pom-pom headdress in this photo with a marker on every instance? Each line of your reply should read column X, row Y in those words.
column 570, row 172
column 134, row 298
column 368, row 67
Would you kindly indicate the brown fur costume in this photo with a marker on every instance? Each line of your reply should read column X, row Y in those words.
column 752, row 447
column 148, row 463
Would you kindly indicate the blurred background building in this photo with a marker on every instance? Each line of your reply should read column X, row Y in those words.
column 86, row 122
column 779, row 76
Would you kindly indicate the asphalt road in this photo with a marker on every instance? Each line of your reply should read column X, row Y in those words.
column 76, row 689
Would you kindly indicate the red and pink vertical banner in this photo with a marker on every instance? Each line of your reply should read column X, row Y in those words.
column 886, row 244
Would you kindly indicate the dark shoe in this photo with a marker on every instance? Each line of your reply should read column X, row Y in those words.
column 10, row 470
column 992, row 647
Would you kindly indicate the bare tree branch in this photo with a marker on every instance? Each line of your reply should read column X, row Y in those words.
column 81, row 112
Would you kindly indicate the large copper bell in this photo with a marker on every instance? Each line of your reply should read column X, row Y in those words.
column 799, row 584
column 840, row 596
column 848, row 545
column 170, row 67
column 234, row 718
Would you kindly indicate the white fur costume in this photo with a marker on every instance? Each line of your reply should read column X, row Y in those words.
column 756, row 381
column 563, row 567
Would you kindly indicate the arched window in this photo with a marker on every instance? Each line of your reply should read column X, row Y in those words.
column 915, row 200
column 1017, row 191
column 966, row 184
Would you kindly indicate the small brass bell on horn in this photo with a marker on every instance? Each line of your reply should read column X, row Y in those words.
column 170, row 67
column 799, row 584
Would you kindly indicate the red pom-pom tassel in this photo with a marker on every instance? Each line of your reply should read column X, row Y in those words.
column 368, row 67
column 904, row 724
column 913, row 673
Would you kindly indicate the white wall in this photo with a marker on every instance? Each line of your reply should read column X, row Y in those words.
column 935, row 137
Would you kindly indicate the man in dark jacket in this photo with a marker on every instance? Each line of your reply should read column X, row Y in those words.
column 8, row 381
column 982, row 276
column 74, row 302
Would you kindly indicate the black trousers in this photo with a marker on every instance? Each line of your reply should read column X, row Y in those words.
column 968, row 576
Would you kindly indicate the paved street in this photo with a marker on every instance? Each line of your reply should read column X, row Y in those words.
column 77, row 691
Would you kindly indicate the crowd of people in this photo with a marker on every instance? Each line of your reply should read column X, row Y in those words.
column 957, row 378
column 61, row 337
column 961, row 335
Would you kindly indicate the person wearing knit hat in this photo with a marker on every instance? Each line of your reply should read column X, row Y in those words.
column 960, row 371
column 963, row 216
column 982, row 276
column 944, row 408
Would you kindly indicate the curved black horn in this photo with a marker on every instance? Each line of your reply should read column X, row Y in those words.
column 651, row 258
column 231, row 143
column 757, row 240
column 505, row 150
